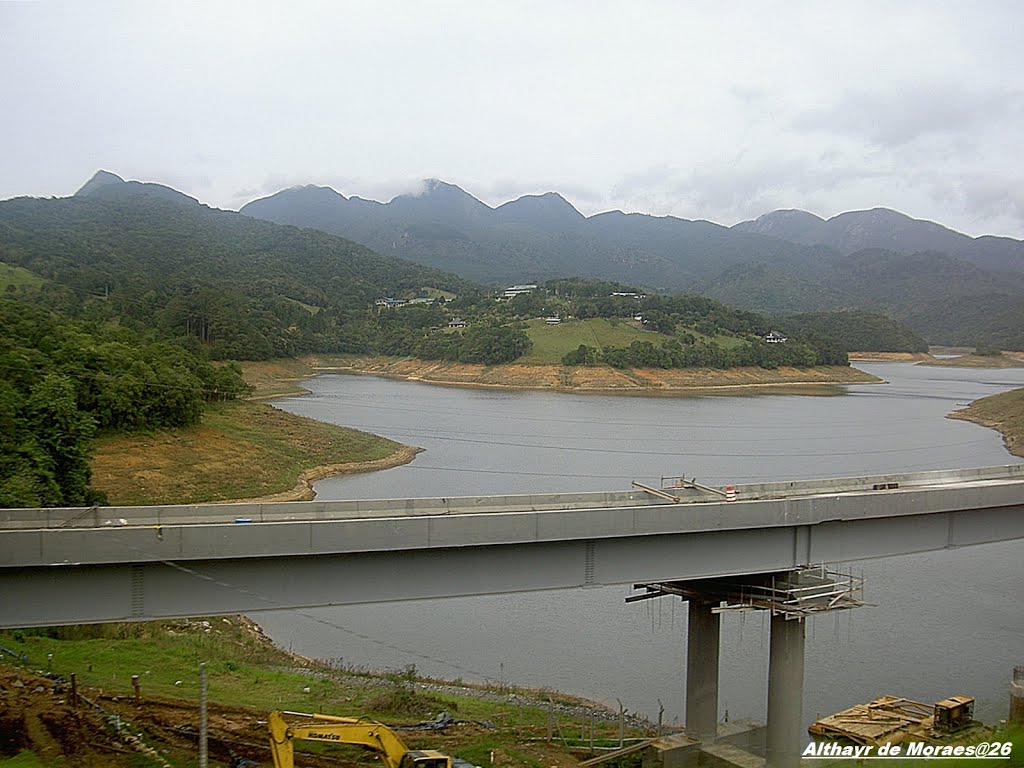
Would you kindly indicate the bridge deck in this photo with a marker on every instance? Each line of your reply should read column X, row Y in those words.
column 132, row 563
column 297, row 511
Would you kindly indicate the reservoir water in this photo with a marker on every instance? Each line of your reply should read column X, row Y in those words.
column 941, row 623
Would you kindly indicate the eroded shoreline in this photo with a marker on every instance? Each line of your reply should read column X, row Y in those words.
column 303, row 490
column 595, row 379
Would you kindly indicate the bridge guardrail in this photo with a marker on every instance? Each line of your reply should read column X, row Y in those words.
column 262, row 512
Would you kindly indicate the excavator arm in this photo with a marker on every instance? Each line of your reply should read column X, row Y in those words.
column 346, row 730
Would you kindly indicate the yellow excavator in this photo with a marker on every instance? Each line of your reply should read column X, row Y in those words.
column 346, row 730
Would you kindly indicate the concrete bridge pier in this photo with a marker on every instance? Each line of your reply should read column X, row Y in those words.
column 785, row 692
column 791, row 597
column 702, row 644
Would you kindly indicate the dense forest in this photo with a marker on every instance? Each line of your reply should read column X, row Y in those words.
column 238, row 287
column 856, row 331
column 61, row 383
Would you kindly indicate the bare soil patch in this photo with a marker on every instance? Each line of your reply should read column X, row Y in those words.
column 589, row 378
column 891, row 357
column 1004, row 413
column 99, row 730
column 1005, row 360
column 962, row 360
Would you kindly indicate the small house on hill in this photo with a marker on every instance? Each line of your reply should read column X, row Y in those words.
column 774, row 337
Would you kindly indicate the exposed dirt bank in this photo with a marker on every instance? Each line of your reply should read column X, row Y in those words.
column 966, row 360
column 891, row 357
column 1004, row 413
column 1005, row 360
column 303, row 490
column 598, row 379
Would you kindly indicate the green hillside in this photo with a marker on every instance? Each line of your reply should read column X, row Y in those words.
column 238, row 287
column 13, row 279
column 856, row 331
column 113, row 310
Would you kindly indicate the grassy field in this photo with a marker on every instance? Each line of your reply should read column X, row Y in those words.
column 243, row 669
column 18, row 277
column 308, row 307
column 241, row 450
column 24, row 759
column 552, row 342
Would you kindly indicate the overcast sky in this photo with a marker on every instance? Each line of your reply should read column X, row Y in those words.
column 704, row 110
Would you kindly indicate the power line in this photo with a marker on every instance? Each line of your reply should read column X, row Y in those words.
column 494, row 415
column 438, row 434
column 274, row 605
column 571, row 447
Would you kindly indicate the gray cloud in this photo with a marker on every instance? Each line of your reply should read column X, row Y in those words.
column 996, row 198
column 728, row 193
column 895, row 117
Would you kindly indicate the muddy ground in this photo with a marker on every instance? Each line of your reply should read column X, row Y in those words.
column 100, row 730
column 37, row 714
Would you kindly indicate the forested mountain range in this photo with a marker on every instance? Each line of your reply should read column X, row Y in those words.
column 245, row 288
column 948, row 287
column 144, row 261
column 535, row 237
column 885, row 229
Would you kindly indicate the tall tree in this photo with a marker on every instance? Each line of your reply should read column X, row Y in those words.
column 63, row 433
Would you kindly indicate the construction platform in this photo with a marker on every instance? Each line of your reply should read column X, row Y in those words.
column 894, row 720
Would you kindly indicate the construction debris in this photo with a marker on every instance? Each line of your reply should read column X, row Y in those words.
column 893, row 720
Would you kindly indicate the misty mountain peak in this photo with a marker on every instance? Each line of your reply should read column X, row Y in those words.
column 548, row 208
column 110, row 186
column 99, row 180
column 788, row 224
column 441, row 190
column 439, row 199
column 313, row 192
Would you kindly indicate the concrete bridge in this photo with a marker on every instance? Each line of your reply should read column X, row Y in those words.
column 72, row 566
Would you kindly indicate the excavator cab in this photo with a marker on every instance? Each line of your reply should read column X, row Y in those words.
column 426, row 758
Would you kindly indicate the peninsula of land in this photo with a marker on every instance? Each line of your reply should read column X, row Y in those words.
column 278, row 378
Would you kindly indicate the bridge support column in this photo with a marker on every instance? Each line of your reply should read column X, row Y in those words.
column 702, row 645
column 785, row 692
